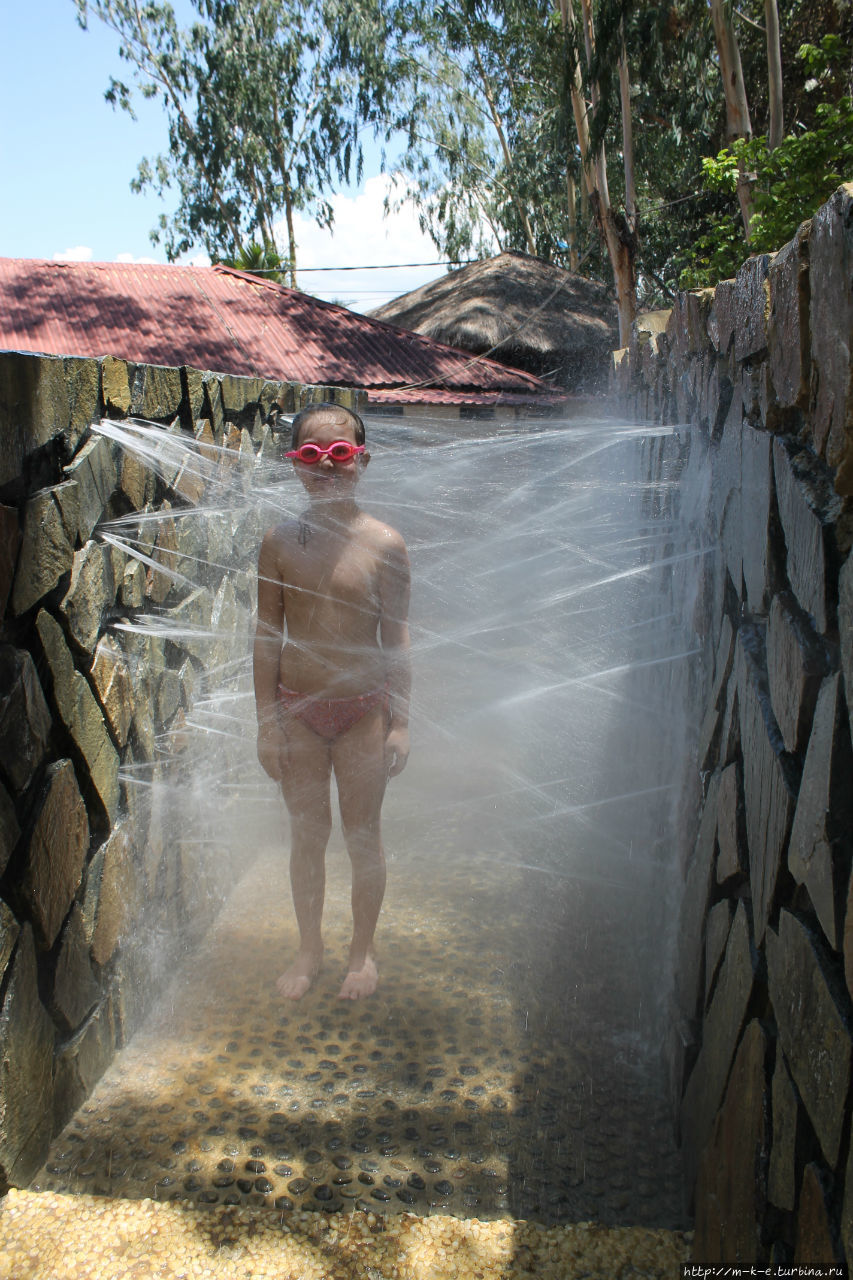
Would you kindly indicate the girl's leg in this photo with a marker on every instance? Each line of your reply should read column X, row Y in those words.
column 306, row 773
column 360, row 771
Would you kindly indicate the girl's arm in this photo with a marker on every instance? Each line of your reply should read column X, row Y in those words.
column 395, row 642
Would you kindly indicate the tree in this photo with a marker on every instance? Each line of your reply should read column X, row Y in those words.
column 264, row 99
column 477, row 109
column 738, row 122
column 790, row 181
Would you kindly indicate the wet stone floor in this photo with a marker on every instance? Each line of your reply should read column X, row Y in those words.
column 491, row 1076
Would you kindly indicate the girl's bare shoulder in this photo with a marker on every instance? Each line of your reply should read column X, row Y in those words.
column 384, row 536
column 279, row 540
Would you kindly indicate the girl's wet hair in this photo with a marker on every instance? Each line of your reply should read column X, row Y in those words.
column 304, row 416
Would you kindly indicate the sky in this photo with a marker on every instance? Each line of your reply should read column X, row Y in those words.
column 67, row 159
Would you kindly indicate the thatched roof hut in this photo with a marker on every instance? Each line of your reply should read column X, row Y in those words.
column 519, row 310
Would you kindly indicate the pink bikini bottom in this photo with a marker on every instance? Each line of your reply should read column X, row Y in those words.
column 329, row 718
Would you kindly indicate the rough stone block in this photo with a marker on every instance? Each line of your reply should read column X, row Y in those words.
column 271, row 394
column 731, row 1189
column 191, row 481
column 831, row 253
column 752, row 308
column 75, row 990
column 10, row 537
column 782, row 1175
column 788, row 347
column 26, row 1070
column 160, row 581
column 9, row 829
column 133, row 583
column 205, row 440
column 10, row 932
column 758, row 534
column 46, row 551
column 115, row 385
column 822, row 822
column 91, row 592
column 130, row 992
column 95, row 473
column 812, row 1028
column 56, row 853
column 720, row 1035
column 814, row 1245
column 687, row 327
column 136, row 479
column 721, row 316
column 117, row 893
column 848, row 938
column 239, row 393
column 156, row 393
column 25, row 721
column 847, row 1213
column 809, row 509
column 797, row 661
column 730, row 725
column 113, row 685
column 193, row 387
column 34, row 407
column 81, row 714
column 731, row 826
column 845, row 624
column 726, row 497
column 645, row 327
column 717, row 929
column 168, row 695
column 81, row 1063
column 83, row 380
column 144, row 736
column 226, row 621
column 212, row 404
column 769, row 791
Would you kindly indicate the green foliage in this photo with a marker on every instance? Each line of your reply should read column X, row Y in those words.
column 257, row 259
column 788, row 183
column 264, row 100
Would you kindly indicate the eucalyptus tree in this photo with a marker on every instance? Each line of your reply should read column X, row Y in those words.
column 480, row 116
column 264, row 101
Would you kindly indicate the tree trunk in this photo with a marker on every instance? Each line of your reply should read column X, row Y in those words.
column 738, row 123
column 573, row 221
column 620, row 241
column 775, row 126
column 291, row 238
column 627, row 135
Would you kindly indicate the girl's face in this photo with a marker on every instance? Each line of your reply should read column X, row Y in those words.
column 327, row 478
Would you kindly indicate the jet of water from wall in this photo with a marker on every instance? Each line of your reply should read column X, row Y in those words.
column 546, row 641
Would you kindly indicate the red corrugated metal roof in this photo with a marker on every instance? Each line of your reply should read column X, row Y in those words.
column 227, row 321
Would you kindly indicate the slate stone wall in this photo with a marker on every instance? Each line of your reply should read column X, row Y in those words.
column 93, row 716
column 761, row 368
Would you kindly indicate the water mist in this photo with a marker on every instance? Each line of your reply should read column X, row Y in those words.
column 510, row 1060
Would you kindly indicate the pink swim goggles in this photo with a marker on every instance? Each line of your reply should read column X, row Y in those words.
column 338, row 451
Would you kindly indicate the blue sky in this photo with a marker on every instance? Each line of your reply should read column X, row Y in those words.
column 67, row 160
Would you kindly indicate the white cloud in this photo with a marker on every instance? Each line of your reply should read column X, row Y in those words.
column 131, row 257
column 201, row 259
column 363, row 235
column 79, row 253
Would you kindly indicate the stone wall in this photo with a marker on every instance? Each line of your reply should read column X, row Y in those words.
column 761, row 368
column 97, row 853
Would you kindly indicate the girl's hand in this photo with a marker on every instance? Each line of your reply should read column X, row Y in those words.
column 396, row 751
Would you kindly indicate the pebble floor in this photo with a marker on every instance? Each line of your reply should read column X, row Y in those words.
column 497, row 1075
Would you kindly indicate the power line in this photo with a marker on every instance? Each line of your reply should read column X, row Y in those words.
column 380, row 266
